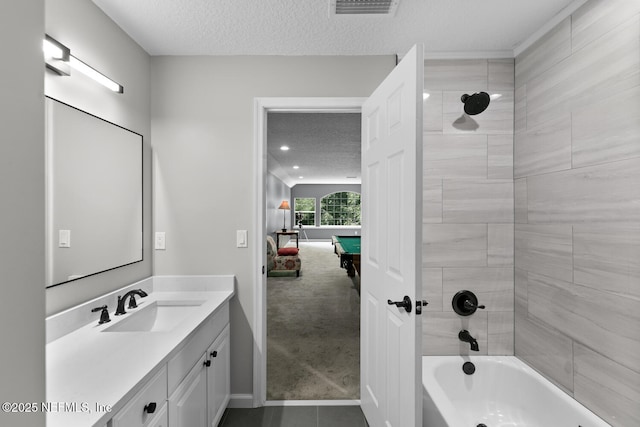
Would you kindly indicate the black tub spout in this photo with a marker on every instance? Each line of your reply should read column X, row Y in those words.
column 465, row 336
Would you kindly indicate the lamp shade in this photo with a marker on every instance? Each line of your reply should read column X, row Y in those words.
column 284, row 205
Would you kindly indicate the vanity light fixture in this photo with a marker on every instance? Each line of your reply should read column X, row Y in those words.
column 56, row 56
column 58, row 59
column 88, row 71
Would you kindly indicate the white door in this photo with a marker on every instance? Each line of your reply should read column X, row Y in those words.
column 390, row 384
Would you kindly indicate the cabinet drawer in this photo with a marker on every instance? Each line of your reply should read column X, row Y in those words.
column 180, row 365
column 134, row 413
column 161, row 418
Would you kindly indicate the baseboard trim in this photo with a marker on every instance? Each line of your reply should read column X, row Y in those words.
column 240, row 401
column 312, row 403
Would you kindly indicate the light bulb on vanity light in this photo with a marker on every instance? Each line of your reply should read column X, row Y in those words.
column 90, row 72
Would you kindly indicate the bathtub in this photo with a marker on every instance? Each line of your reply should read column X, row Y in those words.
column 503, row 392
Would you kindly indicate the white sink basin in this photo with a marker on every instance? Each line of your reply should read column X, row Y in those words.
column 159, row 316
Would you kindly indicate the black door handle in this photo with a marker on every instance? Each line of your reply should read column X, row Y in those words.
column 406, row 303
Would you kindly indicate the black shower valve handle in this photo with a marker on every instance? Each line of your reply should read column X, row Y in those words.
column 471, row 305
column 465, row 303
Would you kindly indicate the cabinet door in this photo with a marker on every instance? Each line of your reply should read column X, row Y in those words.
column 161, row 419
column 136, row 413
column 188, row 404
column 218, row 384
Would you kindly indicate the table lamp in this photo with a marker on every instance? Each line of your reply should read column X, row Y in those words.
column 285, row 207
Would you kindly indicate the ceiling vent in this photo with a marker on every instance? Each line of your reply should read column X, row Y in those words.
column 363, row 7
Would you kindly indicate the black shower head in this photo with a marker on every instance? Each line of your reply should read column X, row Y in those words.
column 476, row 103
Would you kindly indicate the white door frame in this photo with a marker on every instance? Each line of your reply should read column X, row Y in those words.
column 261, row 107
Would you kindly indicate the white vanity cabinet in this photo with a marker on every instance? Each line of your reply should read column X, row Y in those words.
column 201, row 398
column 148, row 367
column 202, row 393
column 192, row 389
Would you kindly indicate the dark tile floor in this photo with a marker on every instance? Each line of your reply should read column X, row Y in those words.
column 294, row 416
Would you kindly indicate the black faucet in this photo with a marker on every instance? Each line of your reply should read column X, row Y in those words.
column 132, row 300
column 465, row 336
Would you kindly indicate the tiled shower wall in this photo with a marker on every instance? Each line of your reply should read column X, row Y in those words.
column 577, row 208
column 468, row 210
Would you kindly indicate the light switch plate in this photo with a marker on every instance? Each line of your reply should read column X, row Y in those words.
column 160, row 241
column 64, row 238
column 241, row 238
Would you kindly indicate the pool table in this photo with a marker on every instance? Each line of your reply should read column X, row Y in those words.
column 348, row 250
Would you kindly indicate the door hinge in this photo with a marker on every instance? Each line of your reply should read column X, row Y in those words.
column 263, row 269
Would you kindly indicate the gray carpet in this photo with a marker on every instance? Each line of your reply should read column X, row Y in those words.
column 313, row 330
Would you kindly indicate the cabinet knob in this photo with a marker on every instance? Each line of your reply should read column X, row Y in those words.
column 150, row 408
column 207, row 363
column 214, row 354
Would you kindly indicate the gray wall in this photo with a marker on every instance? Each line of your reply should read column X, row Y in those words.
column 577, row 187
column 319, row 191
column 468, row 205
column 96, row 40
column 276, row 192
column 22, row 306
column 204, row 182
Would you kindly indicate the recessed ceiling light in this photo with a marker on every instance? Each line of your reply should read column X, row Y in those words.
column 285, row 148
column 425, row 95
column 296, row 167
column 301, row 177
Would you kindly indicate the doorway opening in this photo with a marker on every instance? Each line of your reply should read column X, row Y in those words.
column 310, row 316
column 313, row 305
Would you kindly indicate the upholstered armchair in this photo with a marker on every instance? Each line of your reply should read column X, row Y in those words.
column 283, row 259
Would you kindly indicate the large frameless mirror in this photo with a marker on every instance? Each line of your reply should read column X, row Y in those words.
column 94, row 194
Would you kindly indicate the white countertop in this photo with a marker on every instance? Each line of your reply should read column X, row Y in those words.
column 94, row 370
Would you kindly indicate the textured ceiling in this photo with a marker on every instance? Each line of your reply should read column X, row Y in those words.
column 304, row 27
column 325, row 146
